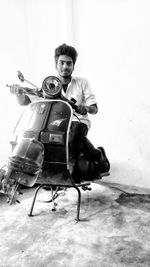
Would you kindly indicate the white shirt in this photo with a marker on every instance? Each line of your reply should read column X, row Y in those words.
column 80, row 90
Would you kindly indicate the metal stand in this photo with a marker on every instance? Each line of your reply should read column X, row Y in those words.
column 67, row 186
column 83, row 185
column 34, row 198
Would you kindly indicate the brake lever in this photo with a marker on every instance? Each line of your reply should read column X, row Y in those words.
column 27, row 90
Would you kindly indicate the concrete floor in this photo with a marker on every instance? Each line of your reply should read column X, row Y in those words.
column 114, row 229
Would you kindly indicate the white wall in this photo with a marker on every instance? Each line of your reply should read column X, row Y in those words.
column 30, row 30
column 112, row 39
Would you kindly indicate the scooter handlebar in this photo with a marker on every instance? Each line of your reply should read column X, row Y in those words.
column 19, row 90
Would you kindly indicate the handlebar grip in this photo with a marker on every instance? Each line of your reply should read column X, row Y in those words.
column 72, row 102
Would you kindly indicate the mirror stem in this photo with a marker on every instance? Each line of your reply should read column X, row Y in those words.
column 31, row 83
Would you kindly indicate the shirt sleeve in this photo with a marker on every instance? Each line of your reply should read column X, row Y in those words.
column 23, row 100
column 89, row 97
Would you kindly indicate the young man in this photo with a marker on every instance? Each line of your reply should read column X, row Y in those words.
column 78, row 89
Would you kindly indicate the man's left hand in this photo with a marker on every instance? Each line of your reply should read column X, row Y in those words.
column 81, row 109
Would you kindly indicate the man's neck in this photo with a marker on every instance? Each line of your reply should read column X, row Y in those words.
column 65, row 80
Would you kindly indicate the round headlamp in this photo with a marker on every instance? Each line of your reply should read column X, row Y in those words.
column 51, row 87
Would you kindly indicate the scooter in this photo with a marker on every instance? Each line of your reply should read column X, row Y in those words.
column 42, row 147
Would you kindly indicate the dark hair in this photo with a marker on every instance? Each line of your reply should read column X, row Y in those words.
column 66, row 50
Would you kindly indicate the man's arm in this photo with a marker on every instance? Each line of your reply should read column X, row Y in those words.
column 90, row 103
column 23, row 100
column 91, row 109
column 18, row 91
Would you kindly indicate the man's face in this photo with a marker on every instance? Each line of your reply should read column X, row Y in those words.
column 64, row 66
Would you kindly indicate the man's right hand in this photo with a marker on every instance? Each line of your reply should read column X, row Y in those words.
column 16, row 89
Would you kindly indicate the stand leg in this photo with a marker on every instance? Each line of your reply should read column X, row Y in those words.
column 35, row 194
column 78, row 204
